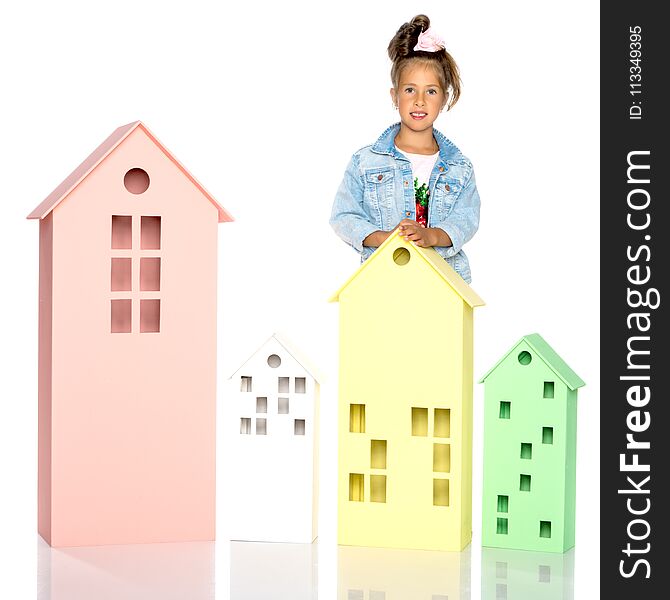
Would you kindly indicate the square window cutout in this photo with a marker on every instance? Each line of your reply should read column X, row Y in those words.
column 121, row 316
column 419, row 421
column 501, row 526
column 356, row 487
column 548, row 389
column 122, row 232
column 121, row 274
column 150, row 232
column 545, row 529
column 150, row 316
column 503, row 504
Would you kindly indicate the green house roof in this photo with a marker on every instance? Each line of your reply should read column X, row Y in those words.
column 549, row 356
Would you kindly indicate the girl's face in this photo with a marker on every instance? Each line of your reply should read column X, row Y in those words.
column 419, row 97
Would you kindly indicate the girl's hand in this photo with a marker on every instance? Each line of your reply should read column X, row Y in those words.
column 424, row 237
column 418, row 234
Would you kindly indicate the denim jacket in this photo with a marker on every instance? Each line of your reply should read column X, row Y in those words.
column 377, row 192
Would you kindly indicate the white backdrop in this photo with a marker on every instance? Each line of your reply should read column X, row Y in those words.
column 265, row 103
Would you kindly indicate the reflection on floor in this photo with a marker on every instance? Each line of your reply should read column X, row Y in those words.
column 273, row 571
column 132, row 572
column 388, row 573
column 521, row 575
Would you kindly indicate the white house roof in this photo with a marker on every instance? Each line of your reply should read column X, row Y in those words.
column 297, row 355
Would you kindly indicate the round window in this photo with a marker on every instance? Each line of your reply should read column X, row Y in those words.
column 525, row 357
column 401, row 256
column 136, row 181
column 274, row 361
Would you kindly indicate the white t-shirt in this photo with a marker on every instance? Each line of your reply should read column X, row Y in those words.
column 422, row 165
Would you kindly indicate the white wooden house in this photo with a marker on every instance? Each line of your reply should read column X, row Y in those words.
column 272, row 430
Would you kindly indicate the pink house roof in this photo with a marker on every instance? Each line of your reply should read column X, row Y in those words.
column 98, row 155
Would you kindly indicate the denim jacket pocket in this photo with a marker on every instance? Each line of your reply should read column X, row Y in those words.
column 379, row 191
column 445, row 194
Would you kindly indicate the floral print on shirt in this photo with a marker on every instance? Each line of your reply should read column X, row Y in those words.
column 421, row 196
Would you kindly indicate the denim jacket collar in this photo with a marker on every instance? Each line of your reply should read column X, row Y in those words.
column 386, row 144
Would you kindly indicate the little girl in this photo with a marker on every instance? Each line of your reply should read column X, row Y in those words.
column 412, row 178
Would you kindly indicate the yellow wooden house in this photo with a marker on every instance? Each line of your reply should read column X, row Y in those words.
column 405, row 402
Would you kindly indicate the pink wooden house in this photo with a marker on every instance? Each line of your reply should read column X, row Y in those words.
column 127, row 349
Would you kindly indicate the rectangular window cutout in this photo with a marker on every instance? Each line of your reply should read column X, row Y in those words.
column 440, row 492
column 261, row 405
column 442, row 422
column 122, row 232
column 501, row 525
column 245, row 384
column 121, row 316
column 544, row 574
column 545, row 529
column 548, row 389
column 356, row 491
column 505, row 409
column 377, row 488
column 150, row 274
column 150, row 316
column 378, row 454
column 419, row 421
column 547, row 435
column 357, row 418
column 503, row 504
column 300, row 385
column 501, row 591
column 526, row 450
column 374, row 595
column 299, row 427
column 261, row 426
column 245, row 426
column 439, row 597
column 282, row 385
column 121, row 274
column 501, row 570
column 151, row 233
column 355, row 595
column 282, row 406
column 441, row 458
column 524, row 483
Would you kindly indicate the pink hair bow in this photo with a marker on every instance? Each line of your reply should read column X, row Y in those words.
column 429, row 41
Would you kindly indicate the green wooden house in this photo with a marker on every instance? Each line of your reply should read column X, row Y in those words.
column 530, row 443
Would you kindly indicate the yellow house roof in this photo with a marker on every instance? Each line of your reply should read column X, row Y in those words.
column 430, row 256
